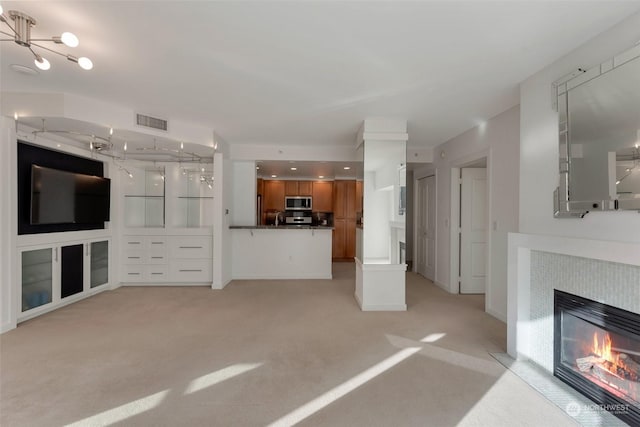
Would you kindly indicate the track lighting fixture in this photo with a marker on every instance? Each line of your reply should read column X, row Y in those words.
column 20, row 25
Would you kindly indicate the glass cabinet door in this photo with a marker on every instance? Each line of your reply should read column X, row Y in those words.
column 99, row 263
column 37, row 278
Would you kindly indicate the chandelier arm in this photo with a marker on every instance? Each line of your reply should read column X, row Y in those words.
column 50, row 50
column 15, row 33
column 43, row 40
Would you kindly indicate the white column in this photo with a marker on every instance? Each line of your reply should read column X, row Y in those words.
column 380, row 276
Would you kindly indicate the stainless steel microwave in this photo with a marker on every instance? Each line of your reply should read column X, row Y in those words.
column 297, row 203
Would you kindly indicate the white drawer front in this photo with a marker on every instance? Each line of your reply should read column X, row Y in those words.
column 190, row 271
column 156, row 273
column 156, row 244
column 134, row 242
column 133, row 274
column 133, row 257
column 189, row 247
column 156, row 258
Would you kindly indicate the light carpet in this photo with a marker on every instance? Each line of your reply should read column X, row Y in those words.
column 265, row 353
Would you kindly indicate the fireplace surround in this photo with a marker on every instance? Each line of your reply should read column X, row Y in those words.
column 597, row 352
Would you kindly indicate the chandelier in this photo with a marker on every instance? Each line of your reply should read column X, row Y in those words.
column 21, row 34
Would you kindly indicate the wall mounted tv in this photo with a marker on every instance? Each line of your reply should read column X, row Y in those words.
column 61, row 197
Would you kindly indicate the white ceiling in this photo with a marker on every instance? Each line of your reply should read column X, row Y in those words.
column 308, row 72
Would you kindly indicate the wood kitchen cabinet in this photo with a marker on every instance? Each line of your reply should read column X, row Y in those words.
column 344, row 219
column 291, row 188
column 273, row 197
column 322, row 193
column 304, row 188
column 297, row 188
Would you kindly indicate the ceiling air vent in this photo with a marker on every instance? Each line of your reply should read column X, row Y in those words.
column 151, row 122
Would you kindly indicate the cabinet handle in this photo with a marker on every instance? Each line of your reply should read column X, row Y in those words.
column 190, row 247
column 157, row 257
column 190, row 271
column 157, row 274
column 157, row 243
column 133, row 243
column 133, row 257
column 133, row 274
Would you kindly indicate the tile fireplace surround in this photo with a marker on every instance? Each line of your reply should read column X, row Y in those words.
column 603, row 271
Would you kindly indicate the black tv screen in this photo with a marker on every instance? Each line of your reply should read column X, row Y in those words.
column 61, row 197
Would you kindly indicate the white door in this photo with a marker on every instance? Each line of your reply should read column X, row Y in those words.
column 473, row 231
column 427, row 227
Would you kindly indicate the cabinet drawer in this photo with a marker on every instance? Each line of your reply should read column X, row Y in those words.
column 156, row 273
column 133, row 274
column 190, row 271
column 156, row 244
column 134, row 242
column 156, row 258
column 133, row 257
column 190, row 247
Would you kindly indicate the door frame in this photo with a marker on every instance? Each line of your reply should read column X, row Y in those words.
column 454, row 220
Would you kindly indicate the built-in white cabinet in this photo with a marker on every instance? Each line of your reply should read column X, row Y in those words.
column 162, row 259
column 51, row 275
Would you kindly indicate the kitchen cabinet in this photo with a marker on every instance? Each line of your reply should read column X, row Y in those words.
column 304, row 188
column 297, row 188
column 344, row 213
column 273, row 195
column 260, row 186
column 291, row 188
column 322, row 193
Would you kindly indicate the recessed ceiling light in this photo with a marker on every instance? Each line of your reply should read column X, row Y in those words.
column 321, row 176
column 347, row 168
column 24, row 70
column 257, row 167
column 294, row 169
column 274, row 176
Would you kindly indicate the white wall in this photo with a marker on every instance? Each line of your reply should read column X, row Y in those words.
column 8, row 223
column 222, row 201
column 497, row 139
column 539, row 146
column 243, row 211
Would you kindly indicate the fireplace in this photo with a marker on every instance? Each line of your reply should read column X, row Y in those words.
column 597, row 352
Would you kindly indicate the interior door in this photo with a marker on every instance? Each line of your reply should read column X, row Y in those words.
column 473, row 231
column 426, row 255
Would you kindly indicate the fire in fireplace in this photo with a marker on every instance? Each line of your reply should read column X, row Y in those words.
column 597, row 352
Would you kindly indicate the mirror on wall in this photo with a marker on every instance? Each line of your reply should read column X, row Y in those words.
column 599, row 117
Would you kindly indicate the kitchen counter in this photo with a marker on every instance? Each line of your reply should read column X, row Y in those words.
column 289, row 252
column 281, row 227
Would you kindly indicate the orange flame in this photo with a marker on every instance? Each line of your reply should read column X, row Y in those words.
column 602, row 348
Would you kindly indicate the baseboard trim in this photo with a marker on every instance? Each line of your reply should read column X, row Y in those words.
column 442, row 286
column 384, row 307
column 501, row 317
column 6, row 327
column 262, row 277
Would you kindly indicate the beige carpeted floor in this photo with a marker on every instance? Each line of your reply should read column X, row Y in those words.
column 265, row 352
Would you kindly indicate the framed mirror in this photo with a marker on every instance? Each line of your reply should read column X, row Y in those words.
column 599, row 138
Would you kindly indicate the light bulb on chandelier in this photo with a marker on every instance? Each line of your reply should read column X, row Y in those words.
column 21, row 34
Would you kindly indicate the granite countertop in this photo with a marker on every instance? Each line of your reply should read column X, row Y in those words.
column 281, row 227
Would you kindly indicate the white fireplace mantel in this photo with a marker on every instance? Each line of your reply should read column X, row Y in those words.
column 519, row 276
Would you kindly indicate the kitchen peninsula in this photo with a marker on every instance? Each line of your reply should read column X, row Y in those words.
column 281, row 252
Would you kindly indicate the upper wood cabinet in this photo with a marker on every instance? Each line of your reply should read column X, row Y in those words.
column 304, row 188
column 322, row 193
column 291, row 188
column 274, row 195
column 297, row 188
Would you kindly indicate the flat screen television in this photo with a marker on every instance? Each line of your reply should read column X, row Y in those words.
column 61, row 197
